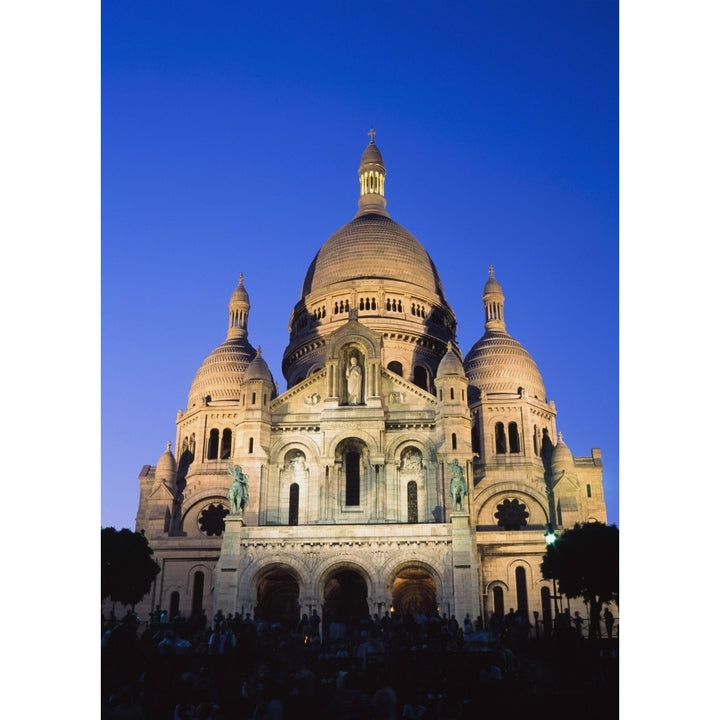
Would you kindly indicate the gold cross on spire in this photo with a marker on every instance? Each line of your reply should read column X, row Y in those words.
column 372, row 134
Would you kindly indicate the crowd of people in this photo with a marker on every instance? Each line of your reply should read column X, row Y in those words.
column 378, row 668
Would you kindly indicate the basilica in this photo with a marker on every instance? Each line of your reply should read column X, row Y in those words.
column 394, row 475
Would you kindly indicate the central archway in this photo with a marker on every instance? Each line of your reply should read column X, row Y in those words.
column 277, row 598
column 345, row 606
column 414, row 592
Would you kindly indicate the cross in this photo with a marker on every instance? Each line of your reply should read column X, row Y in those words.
column 372, row 135
column 491, row 270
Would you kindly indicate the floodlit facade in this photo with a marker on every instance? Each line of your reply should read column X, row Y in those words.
column 393, row 475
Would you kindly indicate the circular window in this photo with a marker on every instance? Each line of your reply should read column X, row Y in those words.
column 212, row 520
column 511, row 514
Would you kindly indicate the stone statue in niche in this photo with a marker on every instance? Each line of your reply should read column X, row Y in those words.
column 295, row 465
column 354, row 379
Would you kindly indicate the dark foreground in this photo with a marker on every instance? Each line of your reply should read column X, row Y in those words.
column 162, row 674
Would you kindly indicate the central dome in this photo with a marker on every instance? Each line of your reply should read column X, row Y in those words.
column 372, row 246
column 376, row 272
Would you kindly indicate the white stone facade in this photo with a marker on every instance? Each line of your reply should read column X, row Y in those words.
column 349, row 470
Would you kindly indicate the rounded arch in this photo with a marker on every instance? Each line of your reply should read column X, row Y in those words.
column 277, row 595
column 359, row 438
column 342, row 561
column 422, row 376
column 487, row 501
column 399, row 444
column 258, row 567
column 282, row 446
column 415, row 587
column 202, row 516
column 346, row 340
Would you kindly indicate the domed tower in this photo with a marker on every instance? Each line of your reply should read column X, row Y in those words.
column 506, row 391
column 206, row 430
column 374, row 271
column 220, row 375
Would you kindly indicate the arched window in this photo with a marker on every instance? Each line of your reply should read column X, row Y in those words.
column 498, row 602
column 514, row 437
column 396, row 367
column 251, row 445
column 254, row 398
column 546, row 611
column 453, row 439
column 226, row 444
column 521, row 586
column 294, row 504
column 500, row 443
column 352, row 478
column 536, row 437
column 421, row 377
column 452, row 393
column 412, row 502
column 213, row 443
column 475, row 439
column 197, row 594
column 174, row 605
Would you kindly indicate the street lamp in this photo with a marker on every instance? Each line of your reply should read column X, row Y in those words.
column 550, row 538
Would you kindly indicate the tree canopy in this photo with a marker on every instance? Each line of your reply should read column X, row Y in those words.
column 128, row 568
column 585, row 561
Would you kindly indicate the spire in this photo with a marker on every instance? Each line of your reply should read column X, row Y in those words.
column 239, row 309
column 494, row 302
column 372, row 180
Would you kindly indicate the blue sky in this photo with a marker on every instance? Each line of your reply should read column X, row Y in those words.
column 145, row 168
column 231, row 137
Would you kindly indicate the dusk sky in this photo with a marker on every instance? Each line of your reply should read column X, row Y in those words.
column 151, row 152
column 231, row 138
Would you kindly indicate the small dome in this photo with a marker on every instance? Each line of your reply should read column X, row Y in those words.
column 240, row 294
column 562, row 458
column 371, row 156
column 166, row 468
column 450, row 364
column 258, row 370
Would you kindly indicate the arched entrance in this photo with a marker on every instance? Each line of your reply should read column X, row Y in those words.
column 277, row 599
column 345, row 605
column 414, row 592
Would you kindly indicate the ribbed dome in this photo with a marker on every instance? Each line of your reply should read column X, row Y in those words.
column 450, row 365
column 372, row 246
column 498, row 363
column 221, row 373
column 258, row 370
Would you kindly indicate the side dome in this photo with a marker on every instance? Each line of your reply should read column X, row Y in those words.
column 450, row 365
column 221, row 373
column 166, row 468
column 258, row 370
column 497, row 363
column 562, row 458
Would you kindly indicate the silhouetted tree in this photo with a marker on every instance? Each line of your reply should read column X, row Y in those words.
column 128, row 568
column 585, row 561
